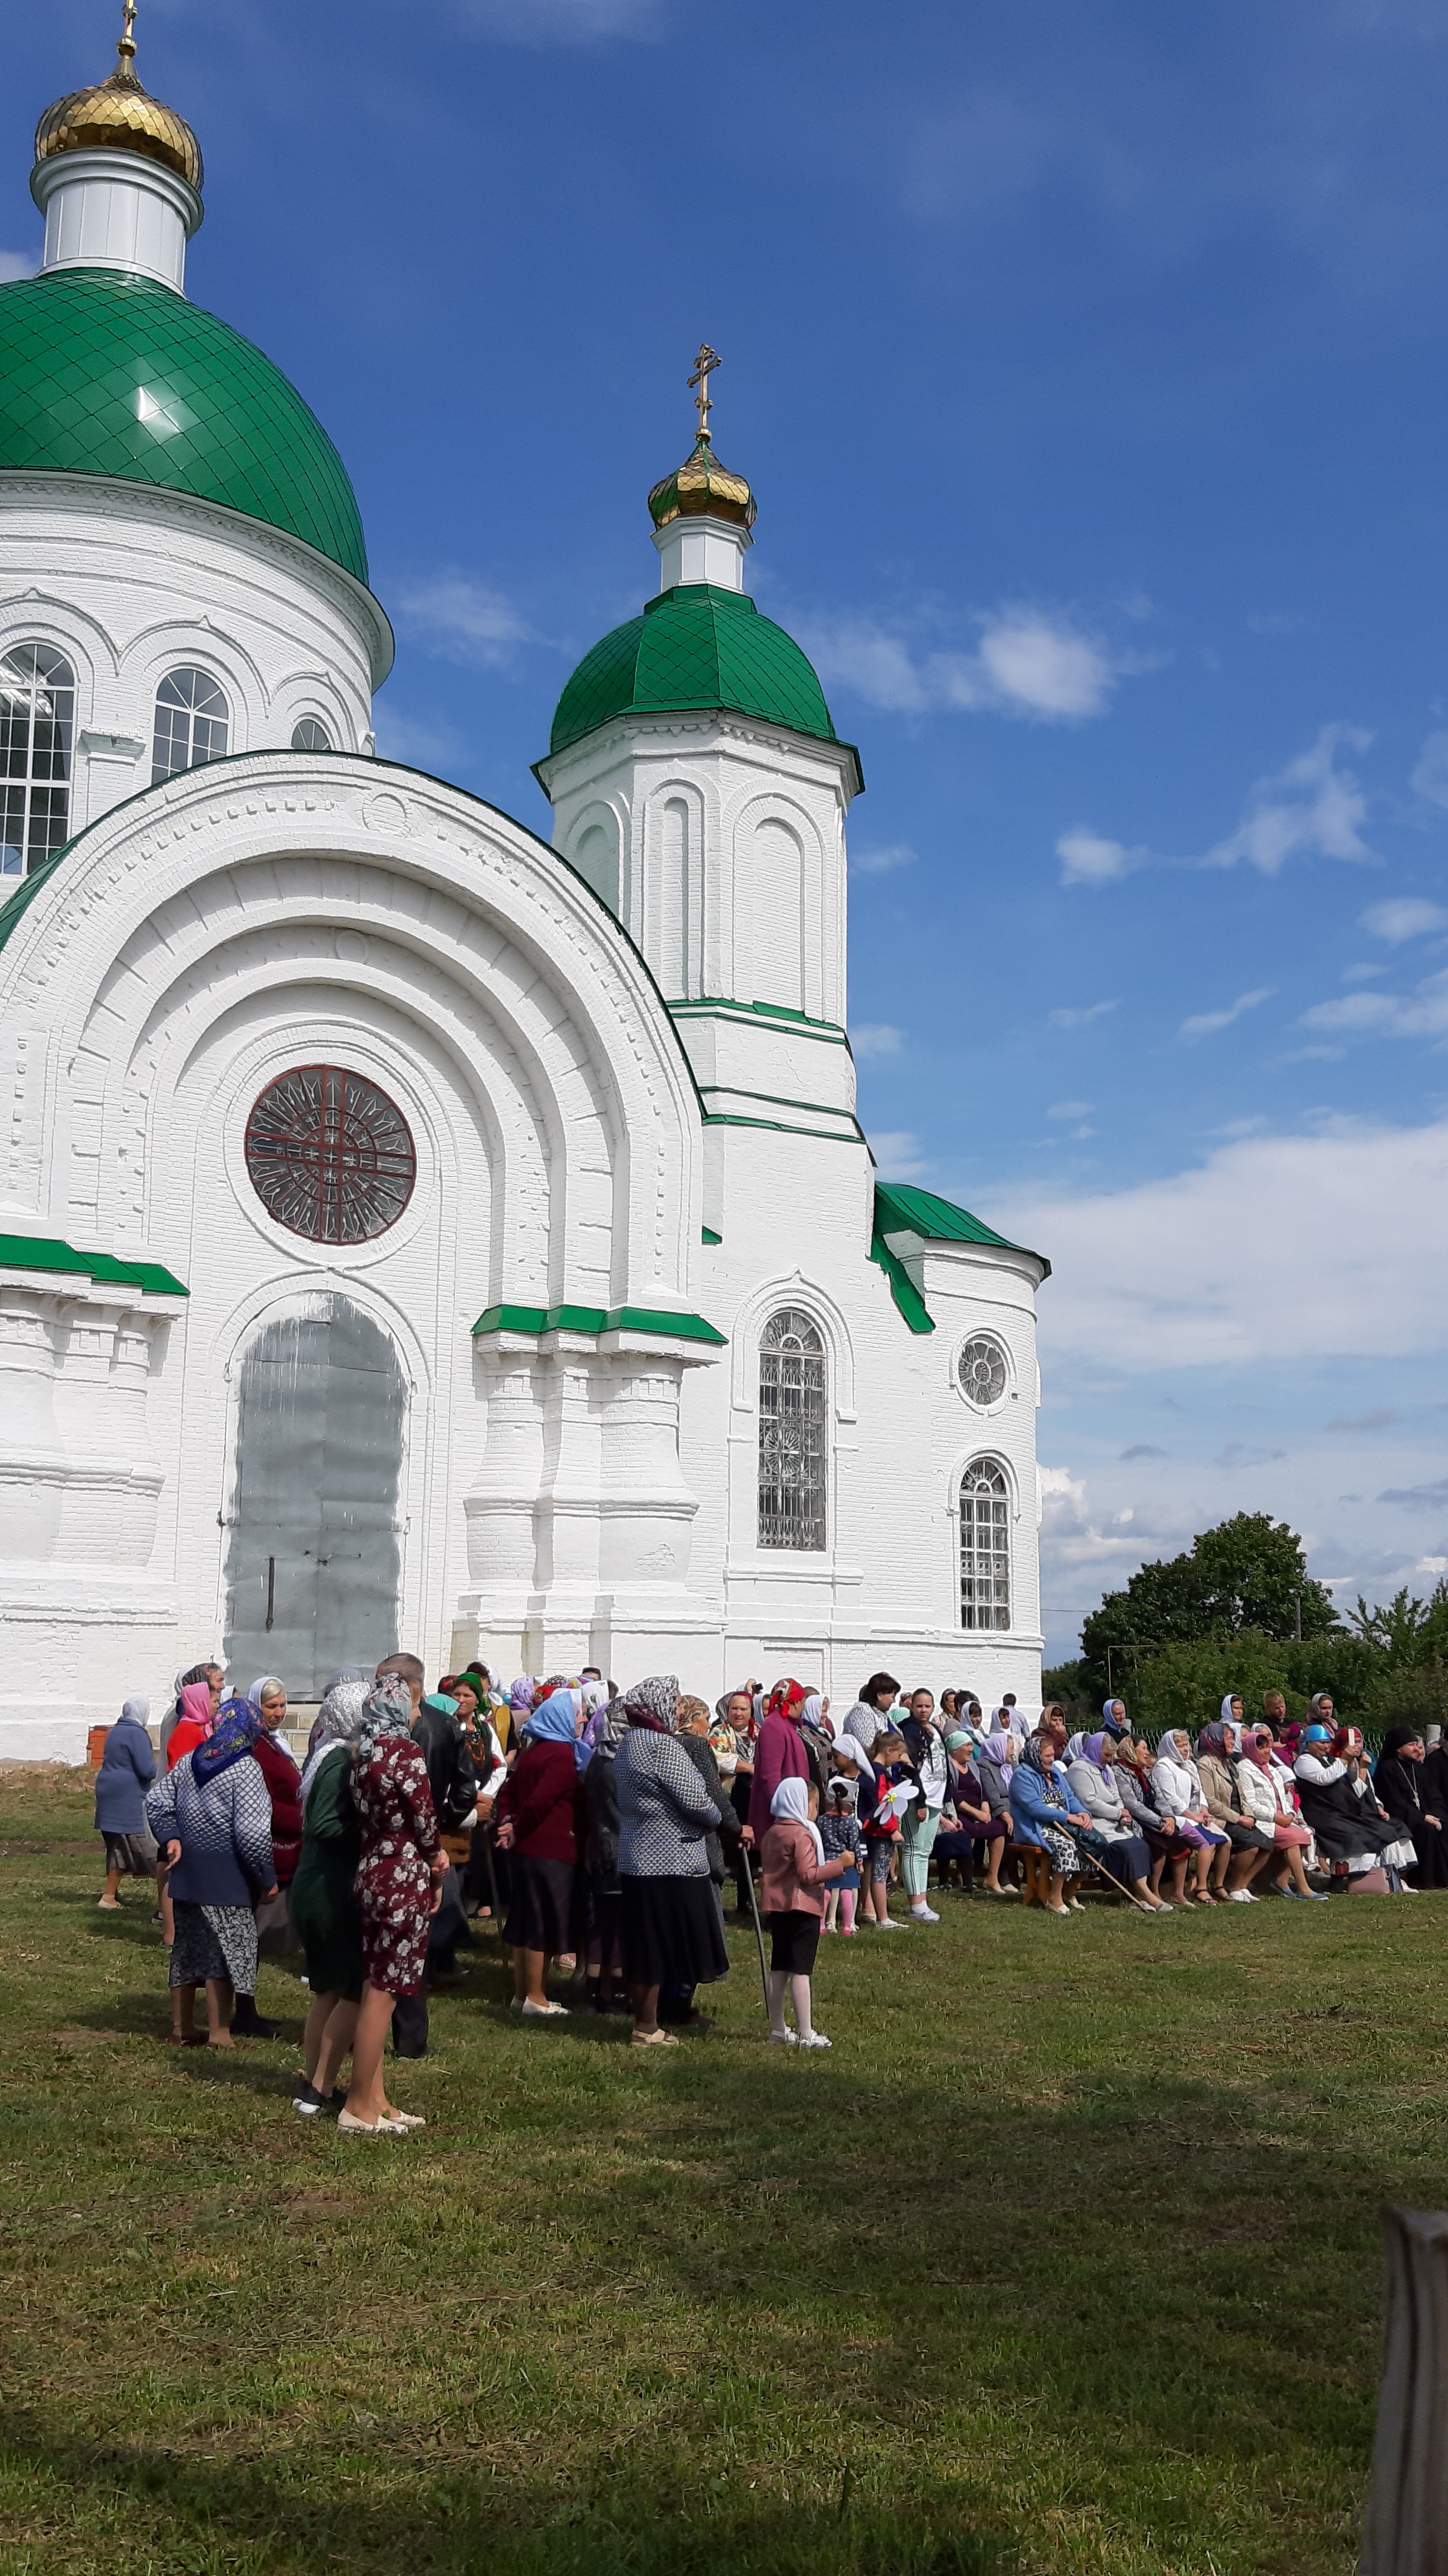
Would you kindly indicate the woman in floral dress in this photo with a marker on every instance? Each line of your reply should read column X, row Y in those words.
column 398, row 1888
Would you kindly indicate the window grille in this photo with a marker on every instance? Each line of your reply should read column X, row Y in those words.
column 37, row 723
column 793, row 1440
column 982, row 1371
column 985, row 1546
column 192, row 724
column 310, row 734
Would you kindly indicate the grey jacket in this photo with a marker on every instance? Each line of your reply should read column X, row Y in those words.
column 664, row 1809
column 1097, row 1794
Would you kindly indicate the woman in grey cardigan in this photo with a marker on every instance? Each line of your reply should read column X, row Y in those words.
column 673, row 1933
column 1093, row 1786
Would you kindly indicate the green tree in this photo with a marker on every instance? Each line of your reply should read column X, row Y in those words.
column 1406, row 1632
column 1248, row 1572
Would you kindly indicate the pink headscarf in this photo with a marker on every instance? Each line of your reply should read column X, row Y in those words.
column 195, row 1700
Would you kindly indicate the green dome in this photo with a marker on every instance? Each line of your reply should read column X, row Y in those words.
column 694, row 647
column 103, row 373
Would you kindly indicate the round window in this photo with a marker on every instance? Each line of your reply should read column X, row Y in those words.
column 981, row 1370
column 330, row 1156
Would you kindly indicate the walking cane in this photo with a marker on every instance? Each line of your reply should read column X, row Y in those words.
column 758, row 1930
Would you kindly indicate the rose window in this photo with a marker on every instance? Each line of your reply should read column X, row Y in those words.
column 330, row 1156
column 981, row 1369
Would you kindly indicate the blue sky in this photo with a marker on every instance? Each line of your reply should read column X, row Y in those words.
column 1089, row 365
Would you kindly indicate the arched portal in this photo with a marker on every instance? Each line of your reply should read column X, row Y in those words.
column 313, row 1567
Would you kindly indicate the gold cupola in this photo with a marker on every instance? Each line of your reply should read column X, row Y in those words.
column 119, row 115
column 702, row 488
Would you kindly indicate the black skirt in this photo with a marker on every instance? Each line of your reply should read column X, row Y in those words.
column 673, row 1932
column 541, row 1913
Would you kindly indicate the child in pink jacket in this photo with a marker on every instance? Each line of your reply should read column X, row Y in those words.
column 794, row 1869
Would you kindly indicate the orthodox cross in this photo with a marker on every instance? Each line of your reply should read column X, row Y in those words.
column 127, row 46
column 704, row 367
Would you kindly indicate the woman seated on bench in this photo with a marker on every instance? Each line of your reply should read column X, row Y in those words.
column 1040, row 1800
column 1094, row 1788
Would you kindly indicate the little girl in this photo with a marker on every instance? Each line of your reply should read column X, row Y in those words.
column 793, row 1870
column 840, row 1833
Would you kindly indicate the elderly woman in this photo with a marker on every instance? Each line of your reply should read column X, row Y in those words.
column 128, row 1767
column 1097, row 1793
column 1041, row 1805
column 211, row 1817
column 780, row 1754
column 1176, row 1786
column 323, row 1903
column 1132, row 1765
column 1251, row 1844
column 1398, row 1780
column 975, row 1823
column 1269, row 1797
column 543, row 1825
column 673, row 1933
column 733, row 1739
column 1353, row 1830
column 398, row 1886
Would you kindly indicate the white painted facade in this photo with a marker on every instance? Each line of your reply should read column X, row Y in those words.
column 624, row 1067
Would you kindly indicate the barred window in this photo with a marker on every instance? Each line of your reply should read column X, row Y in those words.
column 981, row 1370
column 37, row 723
column 310, row 734
column 985, row 1546
column 793, row 1440
column 193, row 722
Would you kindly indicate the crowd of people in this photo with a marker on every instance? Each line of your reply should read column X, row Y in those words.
column 597, row 1830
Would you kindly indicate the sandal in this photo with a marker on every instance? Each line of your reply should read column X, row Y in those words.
column 652, row 2039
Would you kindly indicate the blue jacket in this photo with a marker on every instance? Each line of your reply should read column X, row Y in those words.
column 224, row 1828
column 1029, row 1810
column 128, row 1767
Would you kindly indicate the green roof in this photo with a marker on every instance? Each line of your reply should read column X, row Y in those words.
column 901, row 1210
column 103, row 373
column 47, row 1252
column 694, row 647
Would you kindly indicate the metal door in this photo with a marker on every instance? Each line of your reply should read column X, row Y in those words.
column 314, row 1564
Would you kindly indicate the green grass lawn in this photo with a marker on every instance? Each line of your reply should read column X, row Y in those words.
column 1066, row 2258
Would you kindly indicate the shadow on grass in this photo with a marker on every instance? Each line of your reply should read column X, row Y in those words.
column 238, row 2516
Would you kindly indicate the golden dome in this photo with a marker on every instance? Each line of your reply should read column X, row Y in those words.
column 119, row 115
column 702, row 487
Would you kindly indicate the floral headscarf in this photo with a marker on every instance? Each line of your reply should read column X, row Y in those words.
column 237, row 1727
column 1213, row 1738
column 654, row 1703
column 338, row 1719
column 386, row 1716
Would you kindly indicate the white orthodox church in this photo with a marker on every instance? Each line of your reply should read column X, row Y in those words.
column 412, row 1233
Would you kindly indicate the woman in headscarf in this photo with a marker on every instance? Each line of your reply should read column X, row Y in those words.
column 128, row 1767
column 781, row 1753
column 604, row 1961
column 323, row 1902
column 691, row 1730
column 1398, row 1780
column 268, row 1697
column 472, row 1698
column 211, row 1817
column 975, row 1822
column 1180, row 1799
column 734, row 1739
column 398, row 1886
column 1228, row 1806
column 1040, row 1800
column 1113, row 1718
column 673, row 1932
column 1269, row 1796
column 1352, row 1829
column 1097, row 1794
column 1131, row 1764
column 198, row 1703
column 542, row 1824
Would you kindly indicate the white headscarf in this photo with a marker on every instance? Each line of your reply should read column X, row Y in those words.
column 338, row 1719
column 790, row 1803
column 813, row 1714
column 136, row 1705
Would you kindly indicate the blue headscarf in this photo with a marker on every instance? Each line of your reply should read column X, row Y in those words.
column 555, row 1721
column 232, row 1738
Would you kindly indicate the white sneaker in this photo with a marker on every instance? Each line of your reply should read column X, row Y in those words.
column 814, row 2039
column 1237, row 1896
column 923, row 1914
column 785, row 2038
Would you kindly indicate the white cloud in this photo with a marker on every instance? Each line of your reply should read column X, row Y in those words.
column 898, row 1156
column 1276, row 1248
column 1204, row 1024
column 16, row 263
column 876, row 1038
column 1087, row 859
column 1028, row 662
column 881, row 862
column 1421, row 1014
column 1403, row 916
column 1080, row 1019
column 1362, row 973
column 1311, row 808
column 463, row 620
column 1430, row 778
column 1071, row 1109
column 565, row 22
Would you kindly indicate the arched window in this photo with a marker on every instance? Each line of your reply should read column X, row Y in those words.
column 793, row 1444
column 310, row 734
column 37, row 723
column 192, row 723
column 985, row 1546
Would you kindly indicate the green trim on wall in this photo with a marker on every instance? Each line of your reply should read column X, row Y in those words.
column 47, row 1252
column 899, row 1209
column 782, row 1127
column 782, row 1100
column 761, row 1014
column 902, row 1287
column 536, row 1320
column 708, row 1235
